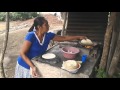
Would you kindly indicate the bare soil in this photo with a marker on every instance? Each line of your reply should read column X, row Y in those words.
column 18, row 30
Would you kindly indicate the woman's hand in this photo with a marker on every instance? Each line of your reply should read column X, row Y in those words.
column 82, row 37
column 34, row 72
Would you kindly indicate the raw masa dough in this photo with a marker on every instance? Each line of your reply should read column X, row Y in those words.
column 86, row 42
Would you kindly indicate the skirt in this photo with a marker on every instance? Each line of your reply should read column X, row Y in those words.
column 21, row 72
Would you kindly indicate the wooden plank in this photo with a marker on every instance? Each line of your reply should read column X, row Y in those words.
column 86, row 24
column 84, row 31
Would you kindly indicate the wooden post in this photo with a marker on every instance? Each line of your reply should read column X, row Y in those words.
column 115, row 59
column 65, row 24
column 107, row 40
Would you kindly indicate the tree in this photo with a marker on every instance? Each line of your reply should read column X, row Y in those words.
column 2, row 73
column 107, row 40
column 115, row 59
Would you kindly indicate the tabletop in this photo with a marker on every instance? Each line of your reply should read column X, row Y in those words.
column 52, row 69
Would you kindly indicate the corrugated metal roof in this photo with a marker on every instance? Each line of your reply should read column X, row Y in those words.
column 91, row 24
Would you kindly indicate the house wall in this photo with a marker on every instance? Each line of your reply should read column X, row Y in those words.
column 91, row 24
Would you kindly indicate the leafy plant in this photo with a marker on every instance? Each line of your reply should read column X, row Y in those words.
column 101, row 73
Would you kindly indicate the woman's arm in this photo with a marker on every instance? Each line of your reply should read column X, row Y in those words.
column 68, row 38
column 24, row 50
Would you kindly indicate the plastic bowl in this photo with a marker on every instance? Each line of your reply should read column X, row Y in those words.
column 70, row 52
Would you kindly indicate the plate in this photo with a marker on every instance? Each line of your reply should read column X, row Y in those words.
column 48, row 56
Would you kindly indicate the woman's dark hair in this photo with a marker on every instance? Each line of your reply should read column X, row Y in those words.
column 38, row 21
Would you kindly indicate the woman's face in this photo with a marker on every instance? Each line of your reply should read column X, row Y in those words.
column 45, row 27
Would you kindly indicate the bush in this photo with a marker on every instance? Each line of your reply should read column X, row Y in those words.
column 18, row 15
column 2, row 16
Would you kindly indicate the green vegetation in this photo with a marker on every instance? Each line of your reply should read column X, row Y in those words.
column 18, row 15
column 117, row 75
column 2, row 16
column 101, row 73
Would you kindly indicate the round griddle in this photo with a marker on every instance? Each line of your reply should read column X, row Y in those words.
column 49, row 61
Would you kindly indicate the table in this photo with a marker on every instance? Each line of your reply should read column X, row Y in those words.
column 48, row 70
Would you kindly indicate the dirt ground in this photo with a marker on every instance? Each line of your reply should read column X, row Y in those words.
column 16, row 38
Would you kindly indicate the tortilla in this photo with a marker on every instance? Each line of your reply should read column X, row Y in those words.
column 86, row 42
column 48, row 56
column 70, row 64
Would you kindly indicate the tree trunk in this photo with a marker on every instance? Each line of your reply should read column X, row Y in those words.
column 2, row 73
column 107, row 40
column 115, row 36
column 115, row 59
column 112, row 49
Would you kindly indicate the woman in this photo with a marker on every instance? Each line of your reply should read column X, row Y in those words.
column 36, row 43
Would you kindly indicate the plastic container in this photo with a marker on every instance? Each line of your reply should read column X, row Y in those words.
column 84, row 58
column 70, row 52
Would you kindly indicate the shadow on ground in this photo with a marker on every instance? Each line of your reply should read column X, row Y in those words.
column 9, row 65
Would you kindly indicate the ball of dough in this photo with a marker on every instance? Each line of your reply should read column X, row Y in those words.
column 89, row 42
column 86, row 42
column 83, row 42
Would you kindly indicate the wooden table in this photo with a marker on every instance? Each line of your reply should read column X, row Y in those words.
column 54, row 70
